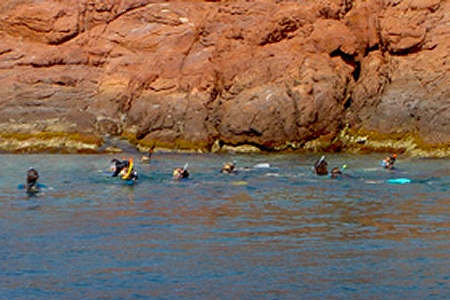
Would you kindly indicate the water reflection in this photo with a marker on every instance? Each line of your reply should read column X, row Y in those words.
column 278, row 236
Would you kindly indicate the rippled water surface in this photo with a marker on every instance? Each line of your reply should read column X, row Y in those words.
column 266, row 233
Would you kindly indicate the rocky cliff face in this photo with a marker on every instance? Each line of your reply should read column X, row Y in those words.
column 316, row 75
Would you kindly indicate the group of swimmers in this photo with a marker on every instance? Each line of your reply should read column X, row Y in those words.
column 126, row 170
column 321, row 166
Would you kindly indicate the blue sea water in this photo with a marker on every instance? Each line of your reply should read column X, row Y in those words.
column 274, row 231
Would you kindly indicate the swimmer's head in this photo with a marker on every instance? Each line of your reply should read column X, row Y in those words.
column 228, row 168
column 32, row 175
column 335, row 172
column 321, row 166
column 180, row 173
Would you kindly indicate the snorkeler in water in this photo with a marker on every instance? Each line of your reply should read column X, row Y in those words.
column 125, row 169
column 32, row 185
column 228, row 168
column 180, row 173
column 388, row 162
column 148, row 157
column 320, row 166
column 336, row 173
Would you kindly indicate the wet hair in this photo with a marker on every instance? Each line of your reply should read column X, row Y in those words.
column 335, row 172
column 119, row 166
column 32, row 177
column 320, row 166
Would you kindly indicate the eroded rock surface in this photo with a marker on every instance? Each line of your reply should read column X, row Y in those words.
column 193, row 74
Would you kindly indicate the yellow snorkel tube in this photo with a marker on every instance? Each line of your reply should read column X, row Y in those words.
column 126, row 176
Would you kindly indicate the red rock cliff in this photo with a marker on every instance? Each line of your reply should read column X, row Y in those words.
column 319, row 75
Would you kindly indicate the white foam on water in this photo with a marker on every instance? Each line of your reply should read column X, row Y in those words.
column 262, row 166
column 273, row 174
column 373, row 181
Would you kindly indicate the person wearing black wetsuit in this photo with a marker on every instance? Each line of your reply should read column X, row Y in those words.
column 122, row 168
